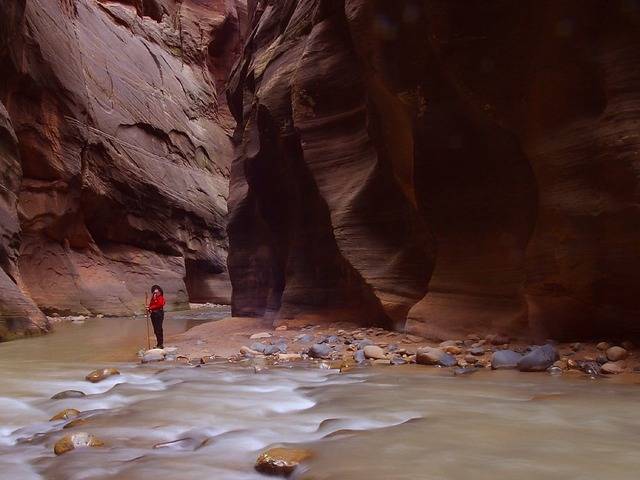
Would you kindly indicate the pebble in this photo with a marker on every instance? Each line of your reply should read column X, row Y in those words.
column 100, row 374
column 66, row 414
column 612, row 368
column 257, row 336
column 281, row 461
column 319, row 350
column 616, row 353
column 539, row 359
column 470, row 359
column 602, row 346
column 374, row 352
column 453, row 350
column 68, row 394
column 505, row 359
column 478, row 351
column 434, row 356
column 76, row 440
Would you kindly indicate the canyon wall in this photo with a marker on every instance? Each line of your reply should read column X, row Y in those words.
column 114, row 149
column 442, row 167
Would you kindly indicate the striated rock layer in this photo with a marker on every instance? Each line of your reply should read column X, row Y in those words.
column 114, row 148
column 439, row 166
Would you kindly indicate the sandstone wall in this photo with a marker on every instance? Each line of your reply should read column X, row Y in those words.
column 114, row 147
column 439, row 166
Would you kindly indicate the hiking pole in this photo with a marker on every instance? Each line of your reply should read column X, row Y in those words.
column 146, row 314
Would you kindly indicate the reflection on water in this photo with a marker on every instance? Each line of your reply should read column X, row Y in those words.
column 384, row 423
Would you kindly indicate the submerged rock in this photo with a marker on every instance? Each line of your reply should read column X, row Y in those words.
column 100, row 374
column 76, row 440
column 281, row 461
column 505, row 359
column 539, row 359
column 68, row 394
column 65, row 414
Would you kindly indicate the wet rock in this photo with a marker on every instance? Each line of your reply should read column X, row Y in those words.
column 153, row 355
column 612, row 368
column 539, row 359
column 602, row 346
column 319, row 350
column 74, row 423
column 434, row 356
column 505, row 359
column 281, row 461
column 76, row 440
column 397, row 360
column 257, row 336
column 374, row 352
column 100, row 374
column 66, row 414
column 477, row 351
column 590, row 368
column 464, row 370
column 554, row 370
column 615, row 354
column 68, row 394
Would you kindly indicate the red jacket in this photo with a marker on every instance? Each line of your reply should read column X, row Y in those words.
column 157, row 302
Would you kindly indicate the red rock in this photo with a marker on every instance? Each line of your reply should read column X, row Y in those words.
column 115, row 139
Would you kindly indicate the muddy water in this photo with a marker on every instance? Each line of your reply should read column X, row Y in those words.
column 383, row 423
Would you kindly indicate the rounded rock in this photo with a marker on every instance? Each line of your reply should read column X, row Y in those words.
column 65, row 414
column 76, row 440
column 374, row 352
column 68, row 394
column 611, row 368
column 602, row 346
column 615, row 354
column 281, row 461
column 100, row 374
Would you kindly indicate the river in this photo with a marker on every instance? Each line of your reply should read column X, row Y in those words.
column 381, row 423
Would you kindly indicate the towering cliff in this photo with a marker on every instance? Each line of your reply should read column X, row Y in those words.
column 440, row 166
column 114, row 149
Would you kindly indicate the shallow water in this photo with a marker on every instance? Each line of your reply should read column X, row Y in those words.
column 383, row 423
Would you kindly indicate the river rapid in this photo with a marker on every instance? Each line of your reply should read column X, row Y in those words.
column 380, row 423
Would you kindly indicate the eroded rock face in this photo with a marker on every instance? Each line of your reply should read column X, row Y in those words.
column 482, row 151
column 114, row 148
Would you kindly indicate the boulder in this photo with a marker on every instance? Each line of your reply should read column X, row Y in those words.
column 615, row 354
column 539, row 359
column 76, row 440
column 505, row 359
column 434, row 356
column 374, row 352
column 100, row 374
column 319, row 350
column 66, row 414
column 281, row 461
column 153, row 355
column 612, row 368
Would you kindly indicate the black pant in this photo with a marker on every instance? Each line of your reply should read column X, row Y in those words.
column 157, row 317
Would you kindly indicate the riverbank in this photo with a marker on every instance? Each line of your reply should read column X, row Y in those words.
column 344, row 346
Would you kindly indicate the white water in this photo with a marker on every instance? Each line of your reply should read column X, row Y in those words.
column 383, row 423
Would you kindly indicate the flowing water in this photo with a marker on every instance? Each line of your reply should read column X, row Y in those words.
column 380, row 423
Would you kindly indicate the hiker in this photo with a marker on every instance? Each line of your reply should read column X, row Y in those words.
column 156, row 309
